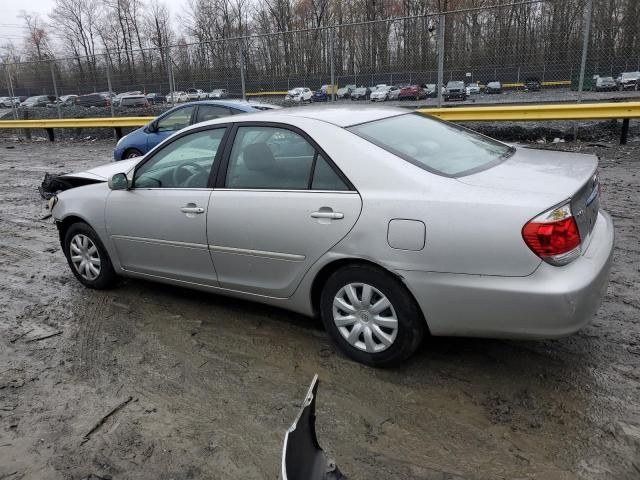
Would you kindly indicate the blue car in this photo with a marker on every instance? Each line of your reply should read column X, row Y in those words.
column 143, row 139
column 320, row 96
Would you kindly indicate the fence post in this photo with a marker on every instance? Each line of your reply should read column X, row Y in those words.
column 441, row 27
column 108, row 64
column 585, row 45
column 11, row 92
column 244, row 92
column 171, row 85
column 331, row 53
column 55, row 88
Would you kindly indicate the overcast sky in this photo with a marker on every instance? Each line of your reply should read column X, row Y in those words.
column 10, row 24
column 12, row 27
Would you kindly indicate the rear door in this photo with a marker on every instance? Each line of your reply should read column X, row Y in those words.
column 278, row 206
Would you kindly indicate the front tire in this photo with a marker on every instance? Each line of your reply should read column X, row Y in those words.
column 87, row 257
column 131, row 153
column 371, row 316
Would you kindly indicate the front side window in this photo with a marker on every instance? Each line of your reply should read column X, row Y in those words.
column 175, row 121
column 184, row 163
column 434, row 145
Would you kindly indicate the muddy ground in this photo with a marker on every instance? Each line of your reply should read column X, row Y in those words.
column 215, row 382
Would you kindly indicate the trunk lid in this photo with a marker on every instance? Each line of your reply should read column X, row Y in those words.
column 554, row 176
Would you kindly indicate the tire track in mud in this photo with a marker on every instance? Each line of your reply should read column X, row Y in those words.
column 86, row 346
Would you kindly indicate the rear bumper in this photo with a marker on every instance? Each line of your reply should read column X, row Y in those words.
column 551, row 302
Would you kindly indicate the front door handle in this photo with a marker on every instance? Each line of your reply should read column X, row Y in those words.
column 191, row 208
column 328, row 214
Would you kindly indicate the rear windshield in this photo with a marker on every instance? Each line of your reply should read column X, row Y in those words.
column 434, row 145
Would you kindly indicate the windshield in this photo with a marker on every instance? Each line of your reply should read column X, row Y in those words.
column 455, row 84
column 630, row 75
column 434, row 145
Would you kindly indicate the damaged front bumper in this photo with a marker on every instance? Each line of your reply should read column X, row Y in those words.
column 302, row 457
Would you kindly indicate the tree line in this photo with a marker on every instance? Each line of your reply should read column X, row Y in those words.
column 204, row 43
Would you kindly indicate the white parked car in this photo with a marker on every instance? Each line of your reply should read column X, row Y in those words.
column 473, row 88
column 177, row 97
column 9, row 102
column 384, row 93
column 300, row 94
column 218, row 94
column 196, row 94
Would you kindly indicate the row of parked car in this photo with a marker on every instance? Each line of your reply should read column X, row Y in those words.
column 383, row 92
column 105, row 99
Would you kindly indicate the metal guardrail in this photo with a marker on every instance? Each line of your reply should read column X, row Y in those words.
column 569, row 111
column 117, row 123
column 579, row 111
column 573, row 111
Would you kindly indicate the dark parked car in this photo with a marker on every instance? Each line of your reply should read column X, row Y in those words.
column 413, row 91
column 319, row 96
column 134, row 101
column 361, row 93
column 629, row 81
column 532, row 84
column 154, row 98
column 93, row 100
column 38, row 101
column 493, row 87
column 455, row 90
column 605, row 84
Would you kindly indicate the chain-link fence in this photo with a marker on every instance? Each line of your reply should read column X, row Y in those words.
column 526, row 46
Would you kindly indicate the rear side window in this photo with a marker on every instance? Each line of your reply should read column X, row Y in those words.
column 325, row 177
column 269, row 157
column 439, row 147
column 279, row 159
column 210, row 112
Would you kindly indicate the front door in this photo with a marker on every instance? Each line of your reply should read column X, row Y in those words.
column 280, row 205
column 159, row 226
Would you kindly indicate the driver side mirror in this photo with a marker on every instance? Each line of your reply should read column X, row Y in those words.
column 152, row 127
column 118, row 181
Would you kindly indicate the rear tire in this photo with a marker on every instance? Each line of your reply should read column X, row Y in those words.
column 353, row 307
column 87, row 257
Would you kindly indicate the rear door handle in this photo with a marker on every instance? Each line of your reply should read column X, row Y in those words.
column 328, row 214
column 190, row 209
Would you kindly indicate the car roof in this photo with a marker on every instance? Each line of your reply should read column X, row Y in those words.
column 224, row 103
column 341, row 116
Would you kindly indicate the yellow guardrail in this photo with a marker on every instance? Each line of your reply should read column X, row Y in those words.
column 77, row 122
column 569, row 111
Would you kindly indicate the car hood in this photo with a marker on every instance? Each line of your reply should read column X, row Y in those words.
column 554, row 174
column 103, row 172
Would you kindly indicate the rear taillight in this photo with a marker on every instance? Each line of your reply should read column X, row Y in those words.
column 554, row 235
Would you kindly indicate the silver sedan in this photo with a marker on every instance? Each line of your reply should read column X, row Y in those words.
column 388, row 225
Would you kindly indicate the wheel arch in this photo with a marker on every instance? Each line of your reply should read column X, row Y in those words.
column 64, row 225
column 327, row 270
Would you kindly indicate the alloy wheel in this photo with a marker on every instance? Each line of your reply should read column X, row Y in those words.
column 85, row 257
column 365, row 317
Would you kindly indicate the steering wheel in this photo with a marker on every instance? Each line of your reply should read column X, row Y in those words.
column 177, row 180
